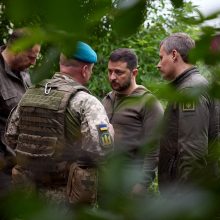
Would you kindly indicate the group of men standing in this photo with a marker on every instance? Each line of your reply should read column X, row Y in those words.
column 60, row 133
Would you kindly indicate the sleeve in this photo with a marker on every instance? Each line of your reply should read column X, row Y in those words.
column 192, row 138
column 97, row 133
column 11, row 130
column 152, row 124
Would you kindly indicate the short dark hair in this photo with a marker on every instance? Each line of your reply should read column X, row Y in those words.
column 181, row 42
column 17, row 34
column 125, row 55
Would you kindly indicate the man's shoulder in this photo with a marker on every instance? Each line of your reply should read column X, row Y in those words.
column 109, row 94
column 108, row 97
column 85, row 97
column 83, row 102
column 196, row 79
column 145, row 93
column 142, row 91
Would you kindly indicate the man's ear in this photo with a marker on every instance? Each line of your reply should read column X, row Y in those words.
column 84, row 70
column 174, row 55
column 135, row 72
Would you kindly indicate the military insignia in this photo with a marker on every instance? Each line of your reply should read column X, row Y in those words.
column 104, row 136
column 188, row 106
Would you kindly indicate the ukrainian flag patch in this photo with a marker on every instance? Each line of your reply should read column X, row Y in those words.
column 103, row 127
column 104, row 136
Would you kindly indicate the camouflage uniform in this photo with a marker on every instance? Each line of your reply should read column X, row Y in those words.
column 85, row 136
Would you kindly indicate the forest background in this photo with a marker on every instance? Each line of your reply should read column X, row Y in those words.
column 107, row 25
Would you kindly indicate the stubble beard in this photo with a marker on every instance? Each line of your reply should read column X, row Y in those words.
column 122, row 87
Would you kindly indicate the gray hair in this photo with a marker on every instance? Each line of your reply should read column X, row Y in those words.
column 181, row 42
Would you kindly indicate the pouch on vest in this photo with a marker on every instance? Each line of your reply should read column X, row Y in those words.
column 82, row 185
column 42, row 119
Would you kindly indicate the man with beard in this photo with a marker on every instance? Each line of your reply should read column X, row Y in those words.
column 135, row 115
column 14, row 81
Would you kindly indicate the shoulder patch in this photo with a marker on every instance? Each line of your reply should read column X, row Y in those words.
column 189, row 106
column 104, row 136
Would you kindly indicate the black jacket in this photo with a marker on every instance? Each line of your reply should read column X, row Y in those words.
column 191, row 128
column 12, row 87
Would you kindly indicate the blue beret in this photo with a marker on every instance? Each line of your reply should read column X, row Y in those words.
column 85, row 53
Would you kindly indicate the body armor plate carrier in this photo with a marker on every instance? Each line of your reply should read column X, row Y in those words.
column 42, row 122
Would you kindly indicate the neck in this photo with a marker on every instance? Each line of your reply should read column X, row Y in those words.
column 183, row 68
column 76, row 77
column 129, row 90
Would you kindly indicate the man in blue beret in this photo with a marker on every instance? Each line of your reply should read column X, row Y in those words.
column 62, row 134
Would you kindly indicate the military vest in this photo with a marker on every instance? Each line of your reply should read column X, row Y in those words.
column 42, row 120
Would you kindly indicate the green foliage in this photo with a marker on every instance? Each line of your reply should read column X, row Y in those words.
column 108, row 25
column 5, row 24
column 158, row 24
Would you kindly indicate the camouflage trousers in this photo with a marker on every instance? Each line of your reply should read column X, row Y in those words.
column 46, row 188
column 56, row 195
column 79, row 187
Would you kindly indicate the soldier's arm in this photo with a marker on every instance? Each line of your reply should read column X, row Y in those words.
column 97, row 132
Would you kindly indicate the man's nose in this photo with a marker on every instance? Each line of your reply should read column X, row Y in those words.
column 112, row 76
column 158, row 65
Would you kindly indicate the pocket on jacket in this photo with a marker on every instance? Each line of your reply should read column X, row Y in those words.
column 9, row 94
column 10, row 98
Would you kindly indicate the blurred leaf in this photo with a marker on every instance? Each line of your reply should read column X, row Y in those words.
column 204, row 50
column 26, row 205
column 127, row 20
column 167, row 92
column 48, row 66
column 73, row 17
column 177, row 3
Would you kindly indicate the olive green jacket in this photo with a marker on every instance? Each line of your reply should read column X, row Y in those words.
column 191, row 129
column 136, row 118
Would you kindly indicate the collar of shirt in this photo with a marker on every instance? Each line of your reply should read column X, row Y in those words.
column 183, row 75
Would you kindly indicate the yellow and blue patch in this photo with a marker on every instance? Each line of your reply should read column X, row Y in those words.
column 104, row 136
column 103, row 127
